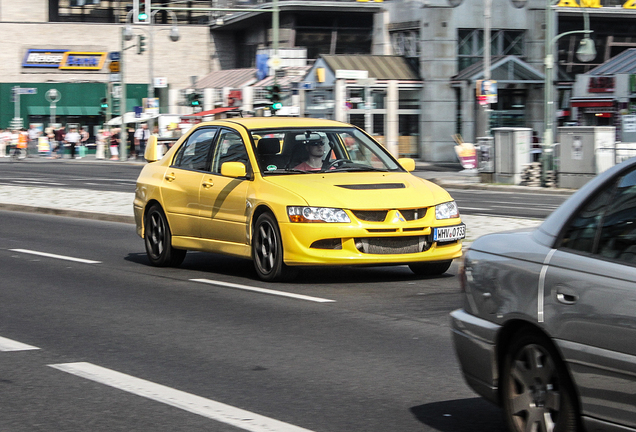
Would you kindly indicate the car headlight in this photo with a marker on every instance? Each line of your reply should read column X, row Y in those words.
column 447, row 210
column 317, row 214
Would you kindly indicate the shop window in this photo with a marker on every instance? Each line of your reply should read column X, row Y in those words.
column 357, row 120
column 409, row 99
column 379, row 98
column 378, row 124
column 356, row 98
column 470, row 46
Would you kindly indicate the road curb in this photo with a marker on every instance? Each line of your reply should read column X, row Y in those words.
column 69, row 213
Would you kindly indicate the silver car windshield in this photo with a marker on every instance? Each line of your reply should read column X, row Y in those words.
column 300, row 151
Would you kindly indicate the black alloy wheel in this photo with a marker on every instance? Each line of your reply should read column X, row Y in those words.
column 267, row 250
column 158, row 240
column 536, row 388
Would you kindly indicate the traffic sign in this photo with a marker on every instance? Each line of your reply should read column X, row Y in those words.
column 26, row 90
column 114, row 66
column 114, row 55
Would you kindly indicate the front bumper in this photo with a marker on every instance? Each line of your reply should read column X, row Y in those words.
column 309, row 244
column 474, row 340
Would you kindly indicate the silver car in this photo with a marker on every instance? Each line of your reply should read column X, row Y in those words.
column 548, row 326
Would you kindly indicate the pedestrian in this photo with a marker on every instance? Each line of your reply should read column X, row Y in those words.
column 23, row 141
column 114, row 144
column 141, row 138
column 59, row 142
column 73, row 138
column 5, row 138
column 33, row 135
column 84, row 135
column 99, row 144
column 131, row 142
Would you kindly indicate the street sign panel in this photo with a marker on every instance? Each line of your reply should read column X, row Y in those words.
column 26, row 90
column 114, row 66
column 114, row 55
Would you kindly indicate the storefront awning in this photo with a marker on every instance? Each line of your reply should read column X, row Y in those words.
column 45, row 110
column 592, row 102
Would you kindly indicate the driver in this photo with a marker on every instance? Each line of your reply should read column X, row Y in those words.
column 316, row 150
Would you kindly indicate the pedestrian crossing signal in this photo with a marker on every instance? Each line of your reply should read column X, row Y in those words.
column 103, row 106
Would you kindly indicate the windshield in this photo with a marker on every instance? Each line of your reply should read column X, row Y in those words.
column 285, row 151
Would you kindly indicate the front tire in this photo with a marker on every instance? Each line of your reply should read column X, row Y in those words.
column 158, row 240
column 430, row 268
column 536, row 388
column 267, row 250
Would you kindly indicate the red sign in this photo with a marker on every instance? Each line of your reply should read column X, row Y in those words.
column 601, row 85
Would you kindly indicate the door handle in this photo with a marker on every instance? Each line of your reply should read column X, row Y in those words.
column 566, row 298
column 208, row 184
column 170, row 177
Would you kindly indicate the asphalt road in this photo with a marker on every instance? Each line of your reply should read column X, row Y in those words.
column 125, row 346
column 121, row 177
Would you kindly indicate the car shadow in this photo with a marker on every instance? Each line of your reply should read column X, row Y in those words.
column 461, row 415
column 231, row 266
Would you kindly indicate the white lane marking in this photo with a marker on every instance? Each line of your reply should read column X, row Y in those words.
column 38, row 182
column 11, row 345
column 62, row 257
column 186, row 401
column 264, row 291
column 473, row 208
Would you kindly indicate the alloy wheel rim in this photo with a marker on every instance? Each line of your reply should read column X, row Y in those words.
column 266, row 247
column 535, row 398
column 157, row 234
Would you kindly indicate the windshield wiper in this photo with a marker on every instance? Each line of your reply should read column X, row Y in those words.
column 357, row 168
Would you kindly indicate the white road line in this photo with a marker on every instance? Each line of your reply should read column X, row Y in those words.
column 62, row 257
column 473, row 208
column 263, row 290
column 195, row 404
column 11, row 345
column 39, row 182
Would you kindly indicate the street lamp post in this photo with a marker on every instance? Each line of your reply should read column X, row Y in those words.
column 585, row 53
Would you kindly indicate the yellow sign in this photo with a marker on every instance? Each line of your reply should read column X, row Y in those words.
column 629, row 4
column 74, row 60
column 114, row 66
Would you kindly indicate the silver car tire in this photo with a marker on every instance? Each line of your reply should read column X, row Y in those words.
column 537, row 392
column 158, row 240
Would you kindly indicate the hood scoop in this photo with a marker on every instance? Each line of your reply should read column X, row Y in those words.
column 374, row 186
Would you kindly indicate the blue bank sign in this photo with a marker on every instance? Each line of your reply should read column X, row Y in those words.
column 63, row 59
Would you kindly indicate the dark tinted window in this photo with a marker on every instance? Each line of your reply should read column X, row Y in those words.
column 581, row 233
column 193, row 154
column 229, row 148
column 618, row 234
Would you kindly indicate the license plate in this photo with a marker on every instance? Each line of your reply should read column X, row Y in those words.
column 450, row 233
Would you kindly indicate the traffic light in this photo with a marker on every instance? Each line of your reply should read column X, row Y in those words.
column 141, row 44
column 141, row 11
column 103, row 106
column 194, row 99
column 274, row 97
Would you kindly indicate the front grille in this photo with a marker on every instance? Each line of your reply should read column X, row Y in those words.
column 370, row 215
column 393, row 245
column 413, row 214
column 333, row 244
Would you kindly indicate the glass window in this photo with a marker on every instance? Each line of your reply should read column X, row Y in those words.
column 378, row 124
column 193, row 154
column 409, row 99
column 229, row 148
column 618, row 234
column 581, row 232
column 470, row 46
column 356, row 98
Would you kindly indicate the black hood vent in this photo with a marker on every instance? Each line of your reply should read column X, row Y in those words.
column 374, row 186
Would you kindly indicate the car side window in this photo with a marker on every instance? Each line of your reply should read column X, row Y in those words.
column 229, row 148
column 193, row 154
column 618, row 233
column 580, row 234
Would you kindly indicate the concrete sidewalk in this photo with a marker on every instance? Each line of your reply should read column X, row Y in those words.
column 118, row 207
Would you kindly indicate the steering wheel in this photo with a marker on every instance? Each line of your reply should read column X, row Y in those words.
column 337, row 162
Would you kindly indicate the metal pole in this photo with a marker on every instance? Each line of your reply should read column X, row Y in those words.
column 487, row 75
column 151, row 82
column 548, row 102
column 123, row 134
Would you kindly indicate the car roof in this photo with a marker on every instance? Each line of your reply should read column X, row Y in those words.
column 252, row 123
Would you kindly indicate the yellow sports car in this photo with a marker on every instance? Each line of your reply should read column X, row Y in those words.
column 289, row 192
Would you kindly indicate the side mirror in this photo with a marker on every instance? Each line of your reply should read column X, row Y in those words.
column 152, row 153
column 407, row 163
column 233, row 169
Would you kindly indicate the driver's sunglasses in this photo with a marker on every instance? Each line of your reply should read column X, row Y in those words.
column 316, row 143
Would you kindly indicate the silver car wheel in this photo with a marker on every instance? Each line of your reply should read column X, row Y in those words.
column 536, row 388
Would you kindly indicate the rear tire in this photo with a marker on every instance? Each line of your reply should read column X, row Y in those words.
column 158, row 240
column 267, row 251
column 430, row 268
column 537, row 392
